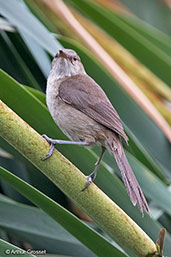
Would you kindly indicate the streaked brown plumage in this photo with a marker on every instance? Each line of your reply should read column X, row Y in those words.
column 83, row 112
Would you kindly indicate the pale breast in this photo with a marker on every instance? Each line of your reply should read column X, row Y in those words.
column 75, row 125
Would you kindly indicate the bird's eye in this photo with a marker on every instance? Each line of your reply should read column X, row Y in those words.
column 75, row 58
column 56, row 56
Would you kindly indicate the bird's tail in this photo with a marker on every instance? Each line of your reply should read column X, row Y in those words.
column 133, row 188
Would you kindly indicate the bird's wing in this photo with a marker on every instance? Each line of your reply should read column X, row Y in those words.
column 84, row 94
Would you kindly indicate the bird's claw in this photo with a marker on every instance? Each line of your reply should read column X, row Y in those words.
column 89, row 181
column 52, row 146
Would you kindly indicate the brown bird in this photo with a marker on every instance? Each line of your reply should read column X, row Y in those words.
column 83, row 112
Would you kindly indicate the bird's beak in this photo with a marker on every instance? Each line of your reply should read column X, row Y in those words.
column 62, row 54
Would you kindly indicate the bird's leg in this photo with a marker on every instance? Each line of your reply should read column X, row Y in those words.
column 92, row 176
column 53, row 142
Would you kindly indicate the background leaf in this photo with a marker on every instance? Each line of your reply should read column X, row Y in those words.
column 27, row 23
column 100, row 245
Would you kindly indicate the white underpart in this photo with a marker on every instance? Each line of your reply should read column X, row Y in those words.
column 65, row 68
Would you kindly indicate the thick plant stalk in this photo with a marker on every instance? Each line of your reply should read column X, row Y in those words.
column 70, row 180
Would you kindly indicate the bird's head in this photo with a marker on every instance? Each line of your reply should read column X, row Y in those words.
column 67, row 63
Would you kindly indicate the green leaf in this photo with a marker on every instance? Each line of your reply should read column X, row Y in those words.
column 143, row 49
column 23, row 225
column 26, row 171
column 38, row 94
column 5, row 25
column 20, row 16
column 94, row 241
column 19, row 169
column 154, row 35
column 154, row 12
column 38, row 53
column 12, row 62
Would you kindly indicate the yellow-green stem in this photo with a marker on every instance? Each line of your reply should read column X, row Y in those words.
column 70, row 180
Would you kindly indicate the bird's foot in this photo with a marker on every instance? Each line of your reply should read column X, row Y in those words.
column 52, row 143
column 92, row 176
column 90, row 179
